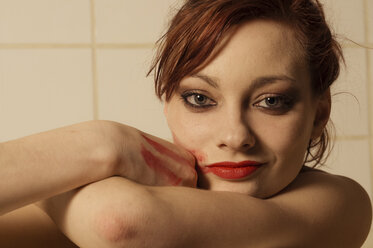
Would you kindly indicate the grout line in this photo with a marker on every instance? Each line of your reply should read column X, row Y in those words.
column 369, row 91
column 119, row 45
column 43, row 46
column 123, row 45
column 351, row 137
column 127, row 45
column 77, row 45
column 94, row 61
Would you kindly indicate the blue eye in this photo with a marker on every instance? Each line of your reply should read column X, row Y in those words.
column 197, row 100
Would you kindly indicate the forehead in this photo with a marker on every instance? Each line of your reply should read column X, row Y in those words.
column 258, row 48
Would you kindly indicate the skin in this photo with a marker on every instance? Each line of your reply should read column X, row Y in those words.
column 46, row 164
column 156, row 163
column 238, row 123
column 294, row 209
column 30, row 227
column 305, row 209
column 316, row 210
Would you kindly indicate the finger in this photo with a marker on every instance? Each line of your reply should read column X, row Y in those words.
column 168, row 152
column 157, row 165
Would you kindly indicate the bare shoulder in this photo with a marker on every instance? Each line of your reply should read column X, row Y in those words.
column 336, row 208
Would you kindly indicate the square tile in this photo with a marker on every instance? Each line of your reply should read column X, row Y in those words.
column 43, row 89
column 140, row 21
column 126, row 95
column 45, row 21
column 350, row 97
column 370, row 20
column 351, row 158
column 347, row 18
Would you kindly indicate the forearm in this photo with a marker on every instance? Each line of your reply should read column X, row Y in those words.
column 218, row 219
column 49, row 163
column 118, row 213
column 45, row 164
column 309, row 213
column 108, row 213
column 30, row 227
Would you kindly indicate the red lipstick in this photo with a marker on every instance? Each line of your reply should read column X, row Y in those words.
column 233, row 170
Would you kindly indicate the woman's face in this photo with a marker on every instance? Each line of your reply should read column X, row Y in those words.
column 251, row 105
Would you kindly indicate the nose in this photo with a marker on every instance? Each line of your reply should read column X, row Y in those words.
column 235, row 133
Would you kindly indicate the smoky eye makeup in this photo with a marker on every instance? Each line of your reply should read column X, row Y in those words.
column 197, row 100
column 277, row 102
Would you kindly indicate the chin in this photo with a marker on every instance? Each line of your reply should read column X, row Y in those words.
column 245, row 188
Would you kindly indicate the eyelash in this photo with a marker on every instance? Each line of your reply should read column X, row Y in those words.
column 186, row 95
column 286, row 102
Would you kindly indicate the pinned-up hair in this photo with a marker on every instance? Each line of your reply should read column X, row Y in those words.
column 199, row 27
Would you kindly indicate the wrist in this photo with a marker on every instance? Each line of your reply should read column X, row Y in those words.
column 106, row 151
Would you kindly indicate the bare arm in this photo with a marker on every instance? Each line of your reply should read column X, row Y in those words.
column 32, row 228
column 314, row 211
column 49, row 163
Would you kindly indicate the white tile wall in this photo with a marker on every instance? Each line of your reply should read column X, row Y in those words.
column 43, row 21
column 347, row 18
column 43, row 89
column 351, row 158
column 349, row 101
column 51, row 87
column 140, row 21
column 370, row 21
column 125, row 94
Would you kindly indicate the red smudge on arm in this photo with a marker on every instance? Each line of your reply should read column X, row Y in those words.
column 164, row 150
column 156, row 164
column 200, row 156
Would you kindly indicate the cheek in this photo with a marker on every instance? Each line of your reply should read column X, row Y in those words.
column 191, row 133
column 192, row 139
column 287, row 138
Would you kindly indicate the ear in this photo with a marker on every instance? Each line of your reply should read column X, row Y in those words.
column 322, row 114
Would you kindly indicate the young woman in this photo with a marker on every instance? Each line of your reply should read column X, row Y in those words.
column 246, row 90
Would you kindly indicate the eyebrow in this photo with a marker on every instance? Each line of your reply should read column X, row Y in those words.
column 257, row 83
column 266, row 80
column 207, row 79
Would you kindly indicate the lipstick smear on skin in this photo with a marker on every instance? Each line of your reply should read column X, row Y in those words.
column 198, row 155
column 164, row 150
column 225, row 170
column 156, row 164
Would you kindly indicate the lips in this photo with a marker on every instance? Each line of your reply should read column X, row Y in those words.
column 233, row 170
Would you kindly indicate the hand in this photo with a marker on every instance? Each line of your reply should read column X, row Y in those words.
column 42, row 165
column 149, row 160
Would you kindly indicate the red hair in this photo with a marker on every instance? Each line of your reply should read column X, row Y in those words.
column 199, row 26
